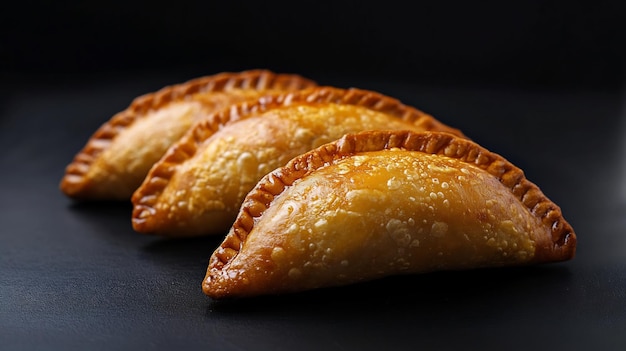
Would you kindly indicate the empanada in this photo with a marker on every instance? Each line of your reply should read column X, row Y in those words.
column 198, row 186
column 383, row 203
column 120, row 153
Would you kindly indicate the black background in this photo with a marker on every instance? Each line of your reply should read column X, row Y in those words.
column 526, row 43
column 540, row 82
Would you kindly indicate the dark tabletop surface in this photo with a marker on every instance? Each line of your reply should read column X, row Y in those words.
column 539, row 82
column 76, row 276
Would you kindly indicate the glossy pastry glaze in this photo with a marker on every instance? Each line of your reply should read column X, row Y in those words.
column 119, row 155
column 384, row 203
column 198, row 187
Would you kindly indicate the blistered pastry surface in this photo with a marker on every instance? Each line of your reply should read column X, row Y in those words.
column 465, row 206
column 292, row 122
column 386, row 213
column 205, row 192
column 118, row 156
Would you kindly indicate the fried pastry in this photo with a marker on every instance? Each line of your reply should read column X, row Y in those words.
column 120, row 153
column 197, row 188
column 384, row 203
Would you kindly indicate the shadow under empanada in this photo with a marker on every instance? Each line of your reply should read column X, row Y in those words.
column 188, row 253
column 436, row 295
column 102, row 208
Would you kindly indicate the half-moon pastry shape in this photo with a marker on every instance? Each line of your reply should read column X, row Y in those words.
column 197, row 188
column 120, row 153
column 384, row 203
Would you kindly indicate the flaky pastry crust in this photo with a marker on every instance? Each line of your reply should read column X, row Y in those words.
column 382, row 203
column 119, row 154
column 198, row 186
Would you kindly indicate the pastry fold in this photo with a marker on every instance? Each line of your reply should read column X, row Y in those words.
column 118, row 156
column 198, row 186
column 382, row 203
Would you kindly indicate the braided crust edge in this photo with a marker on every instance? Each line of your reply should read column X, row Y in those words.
column 563, row 239
column 147, row 195
column 259, row 79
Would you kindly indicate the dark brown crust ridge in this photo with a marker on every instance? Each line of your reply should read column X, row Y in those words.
column 259, row 79
column 147, row 195
column 563, row 241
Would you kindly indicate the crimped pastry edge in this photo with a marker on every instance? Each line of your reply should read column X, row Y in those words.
column 147, row 195
column 74, row 178
column 563, row 244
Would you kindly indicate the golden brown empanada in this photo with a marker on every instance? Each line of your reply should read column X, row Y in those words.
column 198, row 186
column 120, row 153
column 384, row 203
